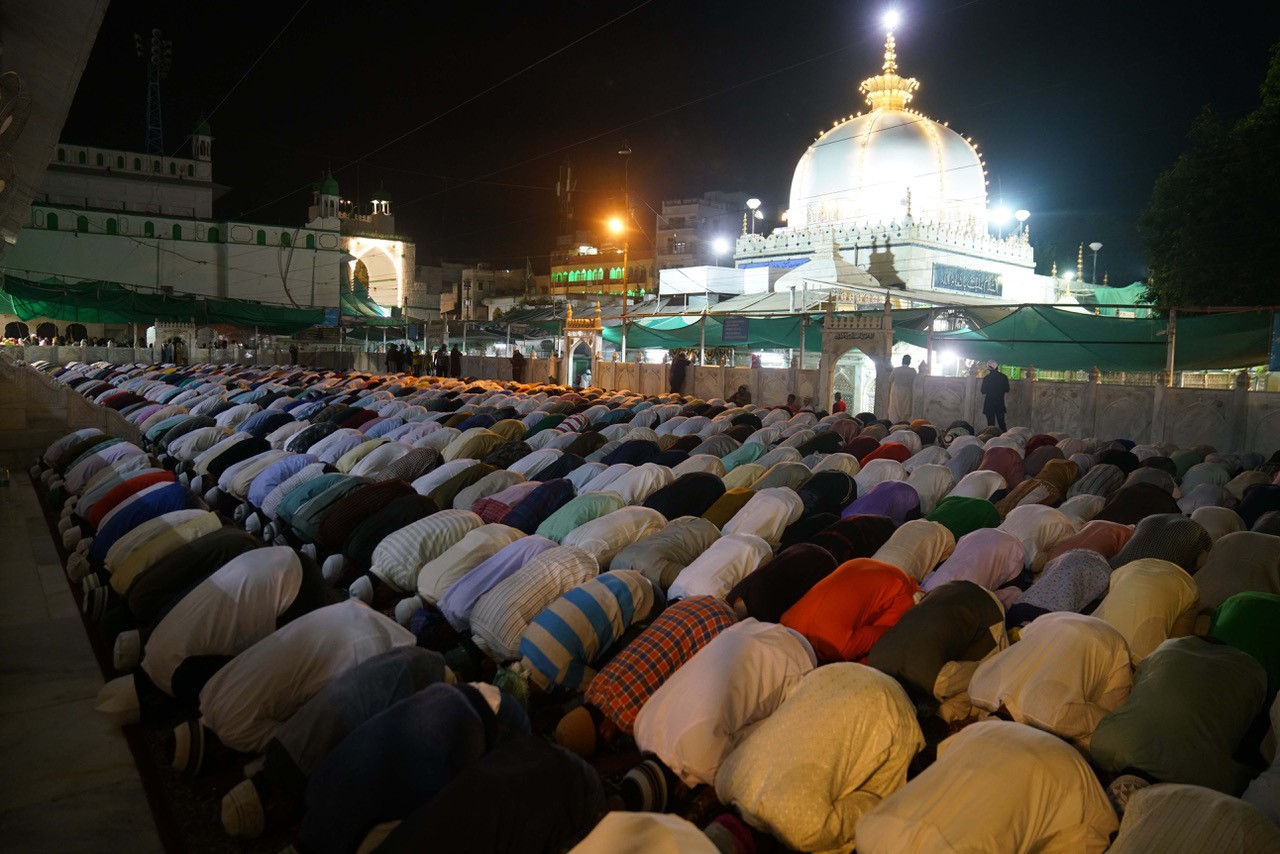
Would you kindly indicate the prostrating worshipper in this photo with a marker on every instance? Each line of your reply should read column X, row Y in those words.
column 705, row 708
column 501, row 615
column 550, row 799
column 1192, row 703
column 539, row 503
column 399, row 556
column 785, row 475
column 663, row 555
column 785, row 779
column 232, row 609
column 934, row 647
column 1100, row 480
column 1218, row 521
column 982, row 483
column 432, row 735
column 781, row 582
column 1257, row 500
column 917, row 547
column 245, row 702
column 1105, row 538
column 857, row 536
column 689, row 494
column 1031, row 491
column 725, row 563
column 1039, row 528
column 1129, row 505
column 893, row 498
column 1244, row 561
column 1064, row 675
column 1248, row 622
column 460, row 598
column 766, row 515
column 446, row 569
column 1072, row 581
column 1167, row 536
column 1264, row 791
column 622, row 687
column 827, row 492
column 272, row 798
column 988, row 557
column 604, row 537
column 369, row 533
column 560, row 645
column 962, row 515
column 1149, row 601
column 848, row 611
column 996, row 786
column 1181, row 819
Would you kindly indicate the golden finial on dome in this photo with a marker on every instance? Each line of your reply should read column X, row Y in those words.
column 1080, row 262
column 887, row 90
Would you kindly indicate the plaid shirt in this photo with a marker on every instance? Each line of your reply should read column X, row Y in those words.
column 626, row 682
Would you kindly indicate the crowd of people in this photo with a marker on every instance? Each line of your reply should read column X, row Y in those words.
column 482, row 616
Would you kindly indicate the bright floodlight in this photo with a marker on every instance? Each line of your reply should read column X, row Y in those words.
column 753, row 203
column 615, row 225
column 1022, row 215
column 759, row 214
column 891, row 20
column 1000, row 215
column 719, row 246
column 1070, row 275
column 1095, row 246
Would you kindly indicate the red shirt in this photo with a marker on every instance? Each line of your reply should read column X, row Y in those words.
column 839, row 406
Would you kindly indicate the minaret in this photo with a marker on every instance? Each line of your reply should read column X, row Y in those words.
column 1080, row 263
column 202, row 141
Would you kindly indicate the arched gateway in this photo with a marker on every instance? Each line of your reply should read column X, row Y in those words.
column 868, row 332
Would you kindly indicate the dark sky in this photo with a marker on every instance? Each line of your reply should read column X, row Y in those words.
column 1077, row 107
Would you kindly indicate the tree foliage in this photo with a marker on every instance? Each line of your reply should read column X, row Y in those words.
column 1211, row 227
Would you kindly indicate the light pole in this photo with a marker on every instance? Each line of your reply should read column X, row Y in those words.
column 618, row 226
column 1000, row 217
column 754, row 205
column 625, row 154
column 1095, row 246
column 1022, row 215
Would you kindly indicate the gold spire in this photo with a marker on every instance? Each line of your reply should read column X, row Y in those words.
column 1080, row 263
column 1053, row 271
column 887, row 90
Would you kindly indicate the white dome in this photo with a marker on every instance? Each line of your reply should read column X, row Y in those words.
column 861, row 171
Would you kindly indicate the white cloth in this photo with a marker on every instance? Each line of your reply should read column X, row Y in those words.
column 982, row 483
column 1063, row 676
column 715, row 572
column 263, row 686
column 786, row 780
column 478, row 545
column 878, row 471
column 700, row 463
column 916, row 547
column 634, row 486
column 997, row 786
column 932, row 483
column 225, row 614
column 1040, row 528
column 645, row 833
column 766, row 515
column 1183, row 819
column 438, row 475
column 1145, row 601
column 711, row 704
column 605, row 536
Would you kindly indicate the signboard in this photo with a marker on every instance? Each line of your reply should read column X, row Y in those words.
column 413, row 331
column 965, row 281
column 735, row 330
column 1275, row 343
column 330, row 318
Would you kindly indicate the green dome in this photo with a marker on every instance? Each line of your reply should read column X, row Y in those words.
column 328, row 186
column 202, row 127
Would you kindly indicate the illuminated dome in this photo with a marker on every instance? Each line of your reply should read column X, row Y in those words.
column 879, row 166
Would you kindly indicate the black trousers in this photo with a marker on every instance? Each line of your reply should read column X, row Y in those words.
column 996, row 418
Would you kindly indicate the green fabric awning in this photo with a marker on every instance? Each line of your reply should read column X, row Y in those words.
column 1060, row 340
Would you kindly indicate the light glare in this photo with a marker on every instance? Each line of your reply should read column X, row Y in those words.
column 891, row 20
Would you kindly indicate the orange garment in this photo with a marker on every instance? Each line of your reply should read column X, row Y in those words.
column 844, row 614
column 1098, row 535
column 120, row 492
column 889, row 451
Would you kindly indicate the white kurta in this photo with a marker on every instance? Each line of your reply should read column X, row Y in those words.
column 708, row 706
column 786, row 779
column 263, row 686
column 766, row 515
column 715, row 572
column 605, row 536
column 1146, row 600
column 916, row 547
column 997, row 786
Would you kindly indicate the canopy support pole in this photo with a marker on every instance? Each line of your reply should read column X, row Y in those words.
column 702, row 339
column 804, row 321
column 929, row 343
column 464, row 336
column 508, row 339
column 1171, row 345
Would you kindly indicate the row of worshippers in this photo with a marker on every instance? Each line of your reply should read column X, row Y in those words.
column 564, row 606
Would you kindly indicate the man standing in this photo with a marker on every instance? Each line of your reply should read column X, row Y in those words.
column 517, row 365
column 442, row 362
column 839, row 405
column 293, row 354
column 902, row 383
column 455, row 362
column 678, row 368
column 995, row 386
column 390, row 360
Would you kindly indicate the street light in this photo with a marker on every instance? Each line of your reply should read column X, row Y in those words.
column 1095, row 246
column 719, row 246
column 1022, row 215
column 999, row 217
column 754, row 205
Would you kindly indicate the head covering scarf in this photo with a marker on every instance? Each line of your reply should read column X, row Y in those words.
column 988, row 557
column 860, row 446
column 1166, row 536
column 1033, row 491
column 1070, row 582
column 1258, row 499
column 982, row 483
column 1218, row 521
column 964, row 460
column 895, row 451
column 825, row 442
column 1040, row 528
column 917, row 547
column 1036, row 460
column 1004, row 461
column 1060, row 474
column 1267, row 523
column 1126, row 461
column 895, row 499
column 789, row 475
column 748, row 453
column 838, row 462
column 1104, row 538
column 1145, row 601
column 962, row 515
column 827, row 492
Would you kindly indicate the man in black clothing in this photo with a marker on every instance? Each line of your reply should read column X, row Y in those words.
column 995, row 386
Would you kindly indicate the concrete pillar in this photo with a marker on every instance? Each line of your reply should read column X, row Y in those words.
column 1089, row 406
column 1240, row 412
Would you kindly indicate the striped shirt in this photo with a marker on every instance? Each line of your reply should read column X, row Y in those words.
column 309, row 472
column 501, row 615
column 460, row 599
column 400, row 555
column 561, row 643
column 631, row 677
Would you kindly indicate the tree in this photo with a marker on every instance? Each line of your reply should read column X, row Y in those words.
column 1209, row 229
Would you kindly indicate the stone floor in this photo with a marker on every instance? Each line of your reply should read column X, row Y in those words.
column 68, row 782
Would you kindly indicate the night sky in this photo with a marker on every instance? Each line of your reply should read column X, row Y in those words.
column 1077, row 107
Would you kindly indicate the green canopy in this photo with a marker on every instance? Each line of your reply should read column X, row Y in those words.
column 685, row 331
column 1062, row 340
column 1131, row 295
